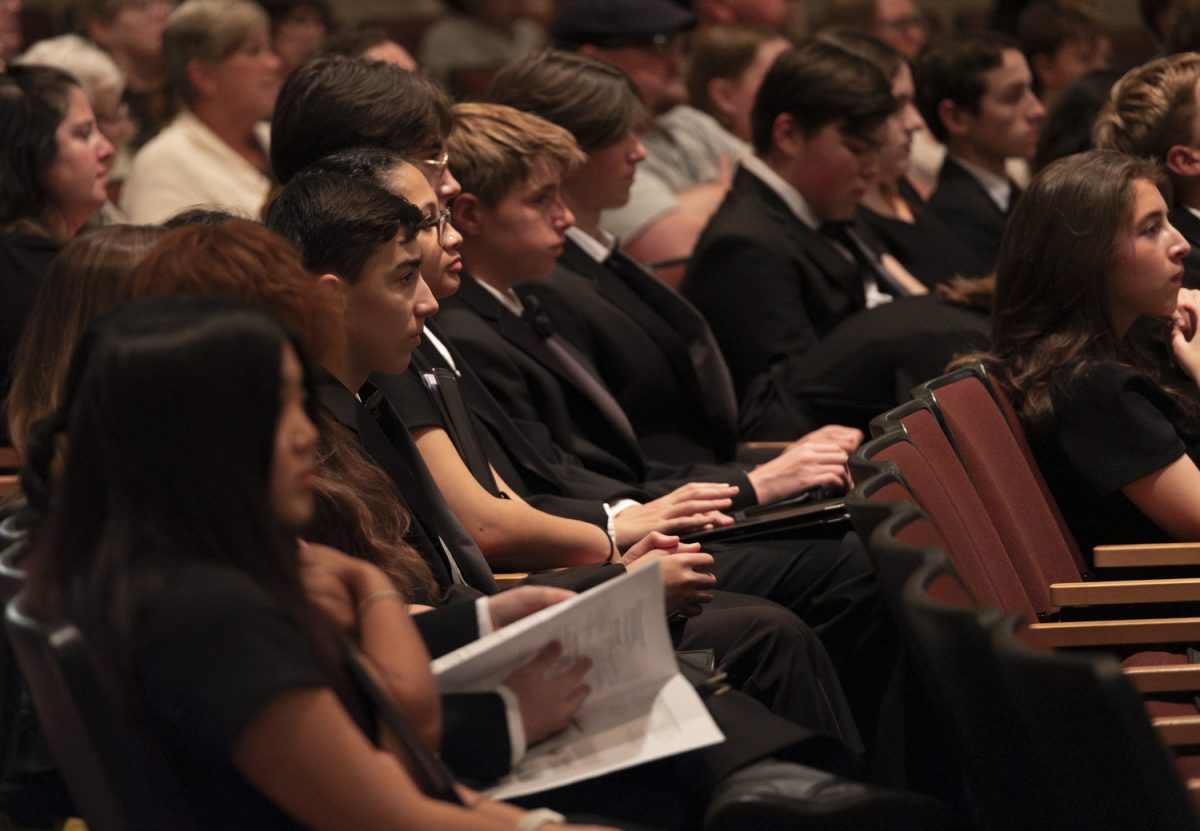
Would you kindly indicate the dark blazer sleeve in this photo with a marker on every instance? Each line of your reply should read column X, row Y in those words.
column 448, row 627
column 475, row 740
column 753, row 301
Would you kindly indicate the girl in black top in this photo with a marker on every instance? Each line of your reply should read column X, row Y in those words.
column 1095, row 342
column 170, row 541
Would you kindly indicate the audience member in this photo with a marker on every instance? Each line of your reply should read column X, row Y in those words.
column 1096, row 345
column 131, row 31
column 475, row 39
column 1062, row 43
column 1068, row 126
column 214, row 153
column 88, row 277
column 689, row 156
column 892, row 208
column 53, row 178
column 1151, row 113
column 370, row 43
column 103, row 84
column 1156, row 16
column 819, row 123
column 235, row 656
column 1182, row 32
column 336, row 103
column 898, row 23
column 298, row 28
column 976, row 95
column 726, row 65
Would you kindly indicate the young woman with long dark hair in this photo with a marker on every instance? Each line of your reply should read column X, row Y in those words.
column 170, row 540
column 1096, row 344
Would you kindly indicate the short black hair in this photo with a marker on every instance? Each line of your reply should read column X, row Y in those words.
column 818, row 83
column 953, row 70
column 337, row 222
column 334, row 103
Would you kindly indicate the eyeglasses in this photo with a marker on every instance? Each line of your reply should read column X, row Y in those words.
column 440, row 221
column 438, row 164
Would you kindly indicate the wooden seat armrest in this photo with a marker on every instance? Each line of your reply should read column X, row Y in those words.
column 9, row 484
column 1168, row 678
column 508, row 579
column 9, row 460
column 766, row 445
column 1104, row 592
column 1178, row 731
column 1160, row 554
column 1114, row 632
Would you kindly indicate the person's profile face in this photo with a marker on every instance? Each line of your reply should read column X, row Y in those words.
column 441, row 264
column 77, row 178
column 386, row 308
column 294, row 460
column 1009, row 117
column 248, row 81
column 604, row 180
column 137, row 28
column 745, row 87
column 526, row 229
column 1146, row 270
column 834, row 169
column 902, row 124
column 655, row 69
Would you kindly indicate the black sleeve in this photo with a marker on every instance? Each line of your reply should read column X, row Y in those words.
column 1113, row 425
column 448, row 627
column 475, row 741
column 407, row 393
column 213, row 650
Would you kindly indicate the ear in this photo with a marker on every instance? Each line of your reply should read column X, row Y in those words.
column 722, row 93
column 1183, row 160
column 787, row 139
column 955, row 119
column 200, row 78
column 1044, row 69
column 469, row 215
column 589, row 50
column 98, row 31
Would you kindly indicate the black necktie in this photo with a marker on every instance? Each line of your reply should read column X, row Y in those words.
column 575, row 366
column 844, row 233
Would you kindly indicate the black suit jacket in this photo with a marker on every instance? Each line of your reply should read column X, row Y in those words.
column 653, row 350
column 769, row 286
column 1188, row 224
column 525, row 377
column 963, row 206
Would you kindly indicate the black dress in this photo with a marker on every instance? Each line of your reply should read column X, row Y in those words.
column 926, row 247
column 211, row 651
column 24, row 258
column 1112, row 426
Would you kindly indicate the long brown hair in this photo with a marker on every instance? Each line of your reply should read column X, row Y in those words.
column 89, row 276
column 1052, row 314
column 358, row 508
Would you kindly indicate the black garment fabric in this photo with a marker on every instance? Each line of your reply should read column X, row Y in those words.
column 846, row 612
column 651, row 347
column 926, row 247
column 1112, row 425
column 1188, row 224
column 864, row 367
column 963, row 206
column 24, row 259
column 211, row 651
column 769, row 285
column 538, row 394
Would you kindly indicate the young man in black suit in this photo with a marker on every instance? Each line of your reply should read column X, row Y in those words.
column 647, row 342
column 771, row 273
column 1152, row 114
column 976, row 94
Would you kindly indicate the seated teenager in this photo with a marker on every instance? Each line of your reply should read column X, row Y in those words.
column 214, row 153
column 1096, row 346
column 1062, row 43
column 976, row 95
column 647, row 343
column 892, row 208
column 1151, row 113
column 188, row 581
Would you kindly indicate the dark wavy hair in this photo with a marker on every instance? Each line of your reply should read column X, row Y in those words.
column 1052, row 315
column 33, row 102
column 169, row 416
